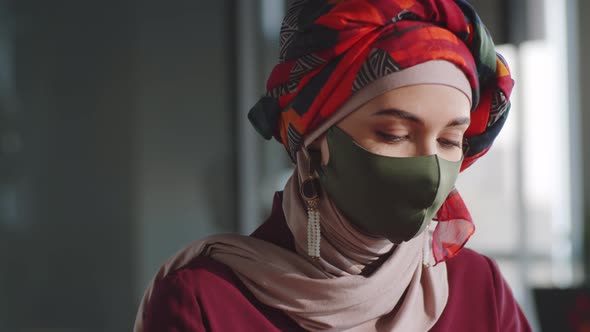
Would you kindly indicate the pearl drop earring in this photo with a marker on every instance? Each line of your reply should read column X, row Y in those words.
column 311, row 197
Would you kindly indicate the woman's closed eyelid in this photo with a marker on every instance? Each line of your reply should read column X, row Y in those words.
column 407, row 134
column 392, row 137
column 446, row 143
column 451, row 143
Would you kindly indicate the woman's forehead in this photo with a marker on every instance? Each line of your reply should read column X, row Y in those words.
column 424, row 101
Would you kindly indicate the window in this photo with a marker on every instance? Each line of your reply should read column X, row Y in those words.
column 520, row 193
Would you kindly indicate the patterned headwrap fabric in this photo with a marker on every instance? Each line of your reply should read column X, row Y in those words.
column 330, row 49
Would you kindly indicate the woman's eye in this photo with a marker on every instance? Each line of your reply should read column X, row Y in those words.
column 450, row 143
column 391, row 138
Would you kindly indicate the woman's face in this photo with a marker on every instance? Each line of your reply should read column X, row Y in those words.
column 417, row 120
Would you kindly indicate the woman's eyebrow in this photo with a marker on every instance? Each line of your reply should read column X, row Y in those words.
column 395, row 112
column 459, row 122
column 399, row 114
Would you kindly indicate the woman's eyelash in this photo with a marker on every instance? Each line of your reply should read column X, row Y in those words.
column 396, row 138
column 391, row 138
column 449, row 143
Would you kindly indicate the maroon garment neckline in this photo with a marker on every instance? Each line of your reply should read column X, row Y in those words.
column 275, row 229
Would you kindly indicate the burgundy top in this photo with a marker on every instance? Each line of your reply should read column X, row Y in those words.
column 206, row 295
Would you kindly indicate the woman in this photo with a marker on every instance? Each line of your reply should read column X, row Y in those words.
column 380, row 103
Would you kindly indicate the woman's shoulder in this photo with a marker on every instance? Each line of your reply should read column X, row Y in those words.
column 477, row 286
column 474, row 277
column 199, row 295
column 175, row 300
column 201, row 268
column 201, row 277
column 470, row 269
column 473, row 262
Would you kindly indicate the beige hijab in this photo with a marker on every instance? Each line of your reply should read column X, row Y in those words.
column 328, row 294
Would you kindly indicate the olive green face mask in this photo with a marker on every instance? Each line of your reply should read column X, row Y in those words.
column 384, row 196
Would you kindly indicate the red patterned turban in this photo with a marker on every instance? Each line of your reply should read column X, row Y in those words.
column 330, row 49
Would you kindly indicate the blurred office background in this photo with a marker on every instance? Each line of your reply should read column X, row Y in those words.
column 123, row 137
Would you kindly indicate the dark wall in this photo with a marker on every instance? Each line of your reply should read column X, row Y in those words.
column 123, row 110
column 584, row 90
column 186, row 151
column 70, row 262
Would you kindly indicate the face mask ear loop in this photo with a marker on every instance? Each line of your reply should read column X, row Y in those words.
column 308, row 187
column 426, row 262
